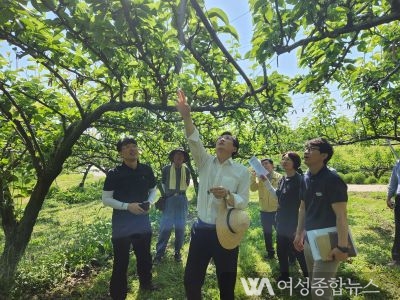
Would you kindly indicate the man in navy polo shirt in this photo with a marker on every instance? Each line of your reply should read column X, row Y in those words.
column 129, row 189
column 324, row 205
column 394, row 192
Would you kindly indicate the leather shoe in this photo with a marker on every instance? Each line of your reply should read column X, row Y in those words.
column 149, row 287
column 269, row 256
column 282, row 277
column 394, row 263
column 178, row 257
column 156, row 261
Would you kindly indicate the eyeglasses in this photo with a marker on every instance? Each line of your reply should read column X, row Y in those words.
column 311, row 149
column 225, row 137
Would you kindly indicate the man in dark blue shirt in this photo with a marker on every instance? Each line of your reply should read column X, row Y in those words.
column 129, row 189
column 324, row 204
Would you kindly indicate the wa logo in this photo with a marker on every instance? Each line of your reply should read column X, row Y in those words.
column 255, row 286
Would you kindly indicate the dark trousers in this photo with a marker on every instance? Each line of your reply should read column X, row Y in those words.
column 268, row 222
column 121, row 247
column 204, row 245
column 174, row 215
column 396, row 243
column 285, row 249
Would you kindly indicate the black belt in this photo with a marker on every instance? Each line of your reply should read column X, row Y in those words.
column 203, row 225
column 177, row 194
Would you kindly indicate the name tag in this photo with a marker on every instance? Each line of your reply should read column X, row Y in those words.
column 318, row 194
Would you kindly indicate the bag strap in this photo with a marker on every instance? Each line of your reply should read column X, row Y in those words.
column 159, row 185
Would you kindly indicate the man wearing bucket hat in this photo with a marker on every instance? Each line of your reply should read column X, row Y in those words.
column 222, row 196
column 175, row 180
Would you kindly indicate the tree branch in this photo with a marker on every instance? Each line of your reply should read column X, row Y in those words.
column 280, row 49
column 218, row 42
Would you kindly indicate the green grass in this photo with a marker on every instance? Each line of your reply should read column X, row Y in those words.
column 69, row 256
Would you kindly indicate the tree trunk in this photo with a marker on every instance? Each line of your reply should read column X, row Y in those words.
column 9, row 260
column 18, row 235
column 82, row 183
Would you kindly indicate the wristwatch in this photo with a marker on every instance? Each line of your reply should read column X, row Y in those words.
column 343, row 249
column 228, row 193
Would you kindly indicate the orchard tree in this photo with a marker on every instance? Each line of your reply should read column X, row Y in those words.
column 77, row 61
column 74, row 65
column 350, row 43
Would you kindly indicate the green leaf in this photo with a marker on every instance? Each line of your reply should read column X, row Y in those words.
column 218, row 13
column 231, row 30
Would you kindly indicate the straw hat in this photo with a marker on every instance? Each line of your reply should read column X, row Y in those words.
column 231, row 226
column 185, row 154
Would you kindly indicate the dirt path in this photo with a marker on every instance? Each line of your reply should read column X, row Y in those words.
column 367, row 187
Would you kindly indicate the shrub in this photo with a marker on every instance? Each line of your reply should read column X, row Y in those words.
column 371, row 180
column 87, row 247
column 384, row 179
column 358, row 178
column 341, row 175
column 76, row 194
column 348, row 178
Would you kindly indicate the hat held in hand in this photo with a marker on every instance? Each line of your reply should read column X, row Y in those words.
column 231, row 226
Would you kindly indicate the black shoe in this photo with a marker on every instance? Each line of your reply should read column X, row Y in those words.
column 178, row 257
column 270, row 255
column 157, row 260
column 394, row 263
column 149, row 287
column 284, row 278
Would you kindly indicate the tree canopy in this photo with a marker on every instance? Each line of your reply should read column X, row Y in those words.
column 76, row 75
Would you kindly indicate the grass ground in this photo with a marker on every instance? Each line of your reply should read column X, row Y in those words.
column 70, row 255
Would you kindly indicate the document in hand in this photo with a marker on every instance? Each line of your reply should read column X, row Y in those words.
column 322, row 241
column 257, row 166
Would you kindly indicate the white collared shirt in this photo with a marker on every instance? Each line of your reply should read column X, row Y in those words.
column 230, row 174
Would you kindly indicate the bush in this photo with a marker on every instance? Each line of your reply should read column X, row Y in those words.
column 358, row 178
column 75, row 194
column 384, row 180
column 341, row 175
column 87, row 247
column 371, row 180
column 347, row 178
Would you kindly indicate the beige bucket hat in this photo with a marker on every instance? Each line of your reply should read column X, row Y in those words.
column 231, row 225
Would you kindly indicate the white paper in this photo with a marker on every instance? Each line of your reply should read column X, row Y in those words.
column 257, row 166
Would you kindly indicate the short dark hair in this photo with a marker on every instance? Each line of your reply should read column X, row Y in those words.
column 269, row 160
column 234, row 140
column 295, row 158
column 323, row 146
column 125, row 141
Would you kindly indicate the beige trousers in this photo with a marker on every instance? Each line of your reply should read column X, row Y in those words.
column 321, row 274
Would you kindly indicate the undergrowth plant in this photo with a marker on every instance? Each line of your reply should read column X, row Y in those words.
column 70, row 255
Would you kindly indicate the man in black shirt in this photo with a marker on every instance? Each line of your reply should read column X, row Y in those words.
column 324, row 205
column 129, row 189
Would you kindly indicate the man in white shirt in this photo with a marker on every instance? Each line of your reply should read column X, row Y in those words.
column 221, row 179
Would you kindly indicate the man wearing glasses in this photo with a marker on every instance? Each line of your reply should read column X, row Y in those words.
column 222, row 181
column 394, row 192
column 324, row 205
